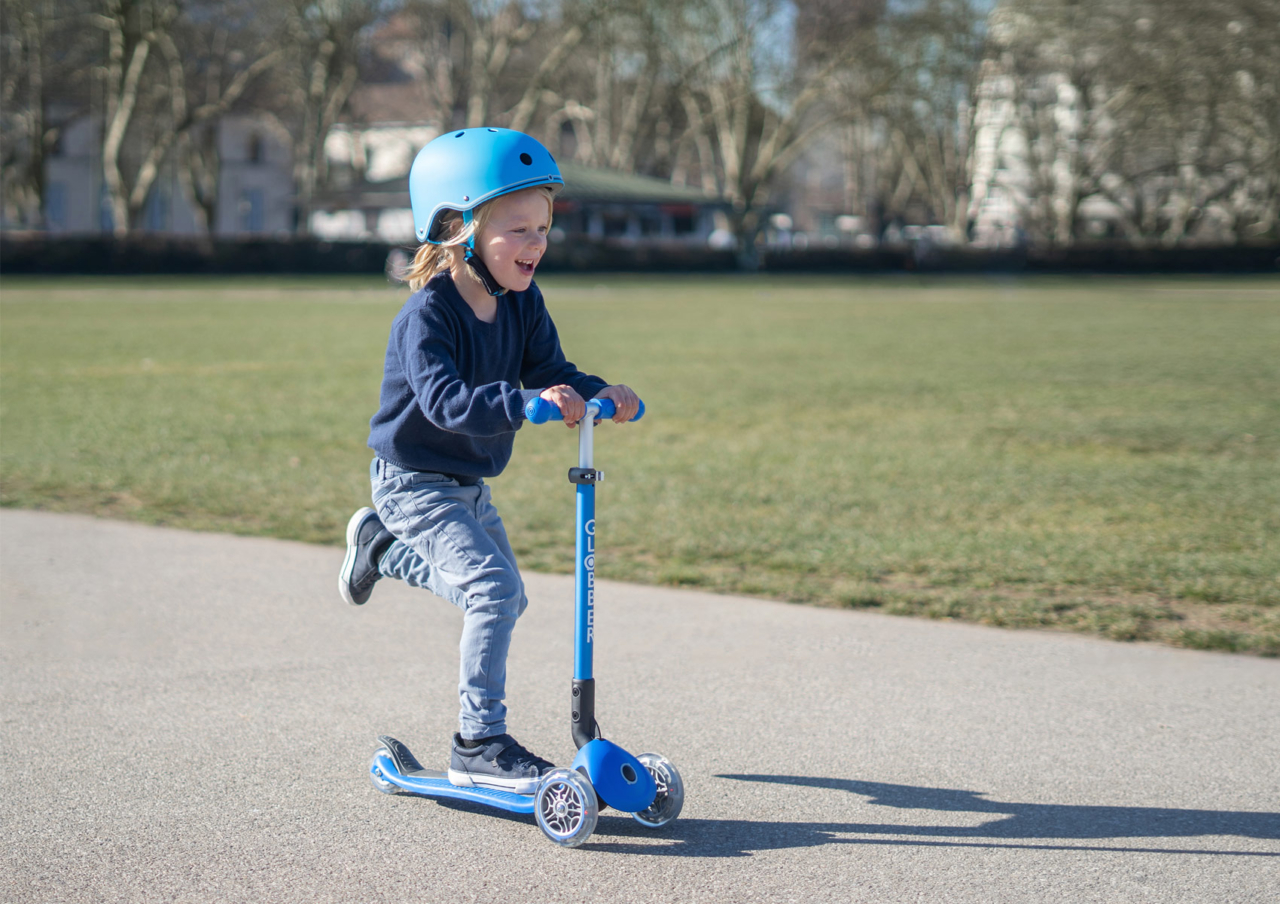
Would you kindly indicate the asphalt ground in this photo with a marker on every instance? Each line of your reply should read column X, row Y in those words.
column 189, row 717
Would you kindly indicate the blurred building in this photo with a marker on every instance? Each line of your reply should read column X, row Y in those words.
column 618, row 208
column 1001, row 174
column 1061, row 152
column 253, row 195
column 366, row 196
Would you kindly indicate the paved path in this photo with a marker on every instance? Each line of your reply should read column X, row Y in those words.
column 189, row 718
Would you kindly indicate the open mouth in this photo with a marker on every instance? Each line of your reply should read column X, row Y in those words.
column 526, row 267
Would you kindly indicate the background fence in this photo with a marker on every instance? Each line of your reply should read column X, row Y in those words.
column 38, row 254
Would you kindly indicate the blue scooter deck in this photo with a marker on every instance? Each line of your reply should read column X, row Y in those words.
column 431, row 783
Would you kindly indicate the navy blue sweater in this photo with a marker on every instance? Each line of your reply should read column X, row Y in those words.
column 451, row 389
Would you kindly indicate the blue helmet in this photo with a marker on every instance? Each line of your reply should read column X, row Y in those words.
column 462, row 170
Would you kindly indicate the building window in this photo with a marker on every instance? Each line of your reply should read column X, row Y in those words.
column 105, row 221
column 156, row 216
column 55, row 205
column 572, row 222
column 251, row 213
column 615, row 225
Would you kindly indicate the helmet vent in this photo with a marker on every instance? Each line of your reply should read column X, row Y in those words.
column 459, row 135
column 526, row 160
column 493, row 130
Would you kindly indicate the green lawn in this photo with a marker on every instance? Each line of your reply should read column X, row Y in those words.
column 1092, row 454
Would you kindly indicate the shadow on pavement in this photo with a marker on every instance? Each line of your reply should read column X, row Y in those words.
column 1018, row 825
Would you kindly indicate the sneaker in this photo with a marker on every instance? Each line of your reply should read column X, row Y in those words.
column 499, row 763
column 367, row 539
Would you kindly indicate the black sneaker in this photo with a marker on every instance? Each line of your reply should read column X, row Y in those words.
column 499, row 763
column 367, row 539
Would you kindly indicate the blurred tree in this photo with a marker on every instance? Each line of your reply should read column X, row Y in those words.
column 1160, row 118
column 754, row 101
column 33, row 34
column 220, row 60
column 905, row 117
column 606, row 105
column 487, row 62
column 1193, row 90
column 324, row 41
column 144, row 82
column 1165, row 115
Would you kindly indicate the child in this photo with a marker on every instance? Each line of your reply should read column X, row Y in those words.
column 474, row 331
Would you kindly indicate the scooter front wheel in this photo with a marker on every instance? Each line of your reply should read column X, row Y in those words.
column 566, row 807
column 669, row 800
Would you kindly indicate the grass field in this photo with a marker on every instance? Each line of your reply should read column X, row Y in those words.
column 1097, row 455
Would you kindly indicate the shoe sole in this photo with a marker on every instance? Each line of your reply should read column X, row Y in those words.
column 512, row 785
column 349, row 563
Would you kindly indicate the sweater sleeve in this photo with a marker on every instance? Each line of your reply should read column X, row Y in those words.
column 446, row 400
column 544, row 361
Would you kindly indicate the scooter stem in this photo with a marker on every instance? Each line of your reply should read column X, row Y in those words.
column 585, row 568
column 584, row 685
column 539, row 411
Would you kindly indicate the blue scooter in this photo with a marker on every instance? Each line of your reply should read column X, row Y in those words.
column 566, row 802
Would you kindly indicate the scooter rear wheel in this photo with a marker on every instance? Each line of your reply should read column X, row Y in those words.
column 566, row 808
column 375, row 774
column 669, row 800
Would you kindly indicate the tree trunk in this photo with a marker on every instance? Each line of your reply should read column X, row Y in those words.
column 523, row 112
column 35, row 113
column 121, row 104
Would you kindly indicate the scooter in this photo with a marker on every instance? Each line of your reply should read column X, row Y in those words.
column 566, row 802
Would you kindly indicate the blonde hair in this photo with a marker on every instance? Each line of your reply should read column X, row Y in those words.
column 431, row 258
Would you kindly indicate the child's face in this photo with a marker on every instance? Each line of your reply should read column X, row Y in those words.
column 514, row 239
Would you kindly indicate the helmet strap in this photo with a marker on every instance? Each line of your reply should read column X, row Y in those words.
column 478, row 266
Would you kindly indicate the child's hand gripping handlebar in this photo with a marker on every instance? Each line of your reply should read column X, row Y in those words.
column 539, row 410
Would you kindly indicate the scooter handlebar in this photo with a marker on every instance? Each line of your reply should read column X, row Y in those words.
column 539, row 410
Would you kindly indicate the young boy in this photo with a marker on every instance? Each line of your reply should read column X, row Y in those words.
column 474, row 331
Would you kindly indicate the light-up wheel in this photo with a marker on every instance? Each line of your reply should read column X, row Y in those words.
column 669, row 800
column 566, row 808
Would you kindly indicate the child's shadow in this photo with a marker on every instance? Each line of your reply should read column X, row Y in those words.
column 1017, row 825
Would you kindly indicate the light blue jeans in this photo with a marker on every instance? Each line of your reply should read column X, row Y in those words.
column 450, row 540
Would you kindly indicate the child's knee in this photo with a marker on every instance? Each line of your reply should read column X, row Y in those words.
column 502, row 596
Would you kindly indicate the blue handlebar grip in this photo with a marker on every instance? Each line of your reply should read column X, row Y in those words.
column 539, row 410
